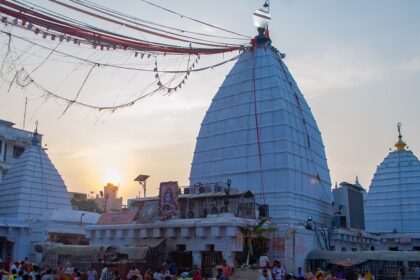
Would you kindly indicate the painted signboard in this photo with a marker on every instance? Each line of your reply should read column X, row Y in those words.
column 167, row 198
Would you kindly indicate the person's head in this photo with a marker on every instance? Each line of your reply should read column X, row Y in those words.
column 20, row 273
column 299, row 269
column 223, row 262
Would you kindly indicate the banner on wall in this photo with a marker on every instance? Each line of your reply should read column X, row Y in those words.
column 167, row 198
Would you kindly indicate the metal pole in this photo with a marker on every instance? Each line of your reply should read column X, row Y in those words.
column 24, row 112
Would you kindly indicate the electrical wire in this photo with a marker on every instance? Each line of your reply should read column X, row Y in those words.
column 195, row 20
column 136, row 20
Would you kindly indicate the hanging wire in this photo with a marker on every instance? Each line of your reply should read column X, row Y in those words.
column 136, row 20
column 154, row 31
column 124, row 21
column 195, row 20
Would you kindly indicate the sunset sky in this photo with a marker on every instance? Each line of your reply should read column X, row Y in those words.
column 357, row 63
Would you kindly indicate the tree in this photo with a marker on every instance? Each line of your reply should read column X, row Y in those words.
column 255, row 233
column 84, row 204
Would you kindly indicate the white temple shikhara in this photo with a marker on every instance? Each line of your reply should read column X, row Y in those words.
column 260, row 133
column 393, row 200
column 32, row 185
column 34, row 203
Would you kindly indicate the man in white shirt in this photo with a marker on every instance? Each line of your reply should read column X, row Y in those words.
column 264, row 261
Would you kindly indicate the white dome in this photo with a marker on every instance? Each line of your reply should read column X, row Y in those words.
column 260, row 133
column 393, row 200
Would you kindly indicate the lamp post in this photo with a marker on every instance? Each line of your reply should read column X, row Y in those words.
column 142, row 180
column 106, row 198
column 81, row 218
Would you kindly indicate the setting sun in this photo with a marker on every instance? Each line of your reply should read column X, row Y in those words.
column 112, row 176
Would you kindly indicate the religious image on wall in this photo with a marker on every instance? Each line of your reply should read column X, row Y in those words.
column 167, row 198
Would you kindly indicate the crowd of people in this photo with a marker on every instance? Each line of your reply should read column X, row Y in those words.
column 24, row 270
column 277, row 271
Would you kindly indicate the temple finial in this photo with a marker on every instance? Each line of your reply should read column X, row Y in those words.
column 35, row 140
column 400, row 145
column 357, row 183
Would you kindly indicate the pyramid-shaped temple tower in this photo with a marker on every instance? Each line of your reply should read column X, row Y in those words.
column 259, row 132
column 393, row 201
column 32, row 186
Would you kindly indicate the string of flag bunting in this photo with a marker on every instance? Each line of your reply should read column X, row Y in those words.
column 21, row 17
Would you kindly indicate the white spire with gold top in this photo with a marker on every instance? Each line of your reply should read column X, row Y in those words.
column 32, row 185
column 393, row 201
column 260, row 133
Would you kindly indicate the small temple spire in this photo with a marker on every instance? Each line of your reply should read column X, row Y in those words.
column 35, row 140
column 400, row 145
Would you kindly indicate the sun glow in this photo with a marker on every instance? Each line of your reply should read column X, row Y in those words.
column 112, row 176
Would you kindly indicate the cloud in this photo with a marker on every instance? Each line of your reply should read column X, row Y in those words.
column 336, row 68
column 410, row 67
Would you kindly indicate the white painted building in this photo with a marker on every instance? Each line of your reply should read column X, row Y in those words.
column 260, row 132
column 219, row 232
column 348, row 201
